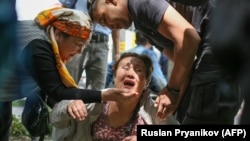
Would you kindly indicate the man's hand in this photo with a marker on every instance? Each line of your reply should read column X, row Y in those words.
column 166, row 103
column 77, row 110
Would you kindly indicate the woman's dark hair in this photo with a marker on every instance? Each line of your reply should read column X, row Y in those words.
column 65, row 35
column 144, row 58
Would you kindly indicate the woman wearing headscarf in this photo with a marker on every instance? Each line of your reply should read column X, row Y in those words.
column 41, row 66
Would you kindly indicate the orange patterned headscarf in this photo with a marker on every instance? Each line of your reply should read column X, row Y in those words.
column 70, row 21
column 74, row 23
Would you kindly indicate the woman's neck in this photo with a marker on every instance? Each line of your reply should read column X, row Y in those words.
column 119, row 113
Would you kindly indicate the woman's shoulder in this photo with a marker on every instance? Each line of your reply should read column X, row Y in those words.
column 40, row 42
column 36, row 47
column 39, row 46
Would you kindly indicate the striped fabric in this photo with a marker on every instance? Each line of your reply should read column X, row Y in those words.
column 12, row 88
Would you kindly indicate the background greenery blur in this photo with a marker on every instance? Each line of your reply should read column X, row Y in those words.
column 17, row 130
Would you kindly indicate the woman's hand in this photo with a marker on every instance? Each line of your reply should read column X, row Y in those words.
column 77, row 110
column 166, row 103
column 118, row 95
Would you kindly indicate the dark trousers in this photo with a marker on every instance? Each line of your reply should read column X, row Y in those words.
column 5, row 120
column 245, row 117
column 212, row 96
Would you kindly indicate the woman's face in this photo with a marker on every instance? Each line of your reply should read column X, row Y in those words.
column 130, row 74
column 69, row 46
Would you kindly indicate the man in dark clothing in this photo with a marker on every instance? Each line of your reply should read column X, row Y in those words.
column 194, row 84
column 231, row 45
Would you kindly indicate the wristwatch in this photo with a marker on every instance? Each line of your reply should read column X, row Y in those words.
column 173, row 91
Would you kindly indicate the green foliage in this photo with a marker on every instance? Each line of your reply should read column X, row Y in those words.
column 18, row 103
column 17, row 128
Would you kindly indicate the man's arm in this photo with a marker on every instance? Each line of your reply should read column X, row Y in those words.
column 186, row 40
column 116, row 43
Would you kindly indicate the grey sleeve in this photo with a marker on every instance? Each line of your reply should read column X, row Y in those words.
column 59, row 116
column 149, row 12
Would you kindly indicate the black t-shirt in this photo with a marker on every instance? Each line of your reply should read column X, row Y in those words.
column 39, row 62
column 147, row 15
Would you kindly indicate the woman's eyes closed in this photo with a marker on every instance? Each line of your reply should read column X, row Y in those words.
column 135, row 69
column 79, row 44
column 138, row 69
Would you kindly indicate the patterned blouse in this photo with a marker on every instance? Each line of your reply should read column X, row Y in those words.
column 102, row 131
